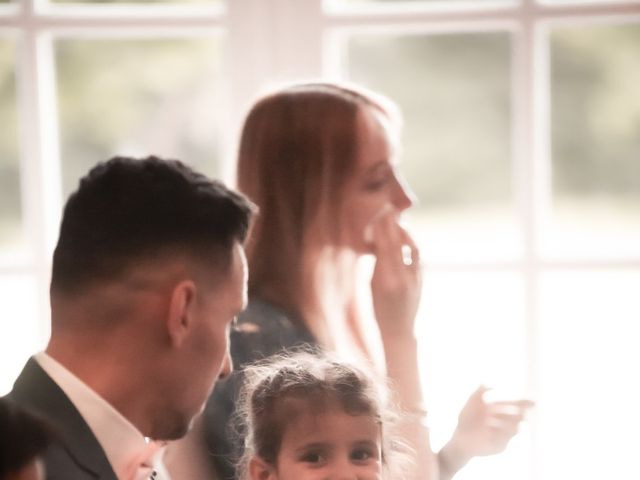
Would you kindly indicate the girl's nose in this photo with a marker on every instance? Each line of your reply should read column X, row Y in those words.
column 344, row 470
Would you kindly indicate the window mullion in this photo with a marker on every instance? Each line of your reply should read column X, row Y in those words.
column 39, row 158
column 298, row 31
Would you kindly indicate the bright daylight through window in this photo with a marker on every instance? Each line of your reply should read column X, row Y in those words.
column 521, row 140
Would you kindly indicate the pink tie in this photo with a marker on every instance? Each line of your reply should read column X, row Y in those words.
column 142, row 468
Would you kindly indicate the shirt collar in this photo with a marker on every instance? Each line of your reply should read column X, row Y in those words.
column 119, row 438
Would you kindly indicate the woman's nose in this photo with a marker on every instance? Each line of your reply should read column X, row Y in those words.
column 403, row 196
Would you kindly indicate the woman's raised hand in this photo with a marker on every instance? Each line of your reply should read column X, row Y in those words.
column 396, row 283
column 484, row 428
column 396, row 287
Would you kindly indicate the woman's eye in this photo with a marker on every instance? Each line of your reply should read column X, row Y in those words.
column 376, row 184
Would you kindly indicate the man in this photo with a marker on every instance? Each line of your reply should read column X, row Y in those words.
column 148, row 274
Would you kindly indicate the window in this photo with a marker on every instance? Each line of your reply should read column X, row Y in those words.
column 521, row 140
column 168, row 92
column 11, row 226
column 80, row 82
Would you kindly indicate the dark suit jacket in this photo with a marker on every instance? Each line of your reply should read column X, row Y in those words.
column 77, row 454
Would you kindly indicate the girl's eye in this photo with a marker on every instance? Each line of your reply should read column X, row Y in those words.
column 362, row 454
column 313, row 457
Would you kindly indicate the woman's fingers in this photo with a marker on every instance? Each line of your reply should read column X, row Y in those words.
column 396, row 281
column 392, row 241
column 505, row 421
column 411, row 252
column 520, row 404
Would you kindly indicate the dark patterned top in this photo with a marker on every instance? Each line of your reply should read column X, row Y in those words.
column 263, row 330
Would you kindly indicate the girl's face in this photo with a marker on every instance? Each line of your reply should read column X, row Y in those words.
column 375, row 186
column 330, row 445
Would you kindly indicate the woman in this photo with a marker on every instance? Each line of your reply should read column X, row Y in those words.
column 330, row 264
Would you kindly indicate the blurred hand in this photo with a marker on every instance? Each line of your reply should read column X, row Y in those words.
column 396, row 284
column 484, row 428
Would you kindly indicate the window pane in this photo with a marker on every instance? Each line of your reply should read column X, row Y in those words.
column 391, row 2
column 454, row 91
column 581, row 2
column 595, row 140
column 150, row 2
column 139, row 97
column 20, row 336
column 11, row 233
column 587, row 405
column 466, row 3
column 471, row 328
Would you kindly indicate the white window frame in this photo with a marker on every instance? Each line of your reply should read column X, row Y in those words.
column 530, row 24
column 270, row 41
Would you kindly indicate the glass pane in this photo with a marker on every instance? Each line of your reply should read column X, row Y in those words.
column 588, row 399
column 409, row 6
column 454, row 91
column 148, row 2
column 20, row 330
column 11, row 233
column 463, row 344
column 139, row 97
column 595, row 140
column 581, row 2
column 391, row 2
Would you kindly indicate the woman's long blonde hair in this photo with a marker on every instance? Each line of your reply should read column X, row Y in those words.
column 297, row 148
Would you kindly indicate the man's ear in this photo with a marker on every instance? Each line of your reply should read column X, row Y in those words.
column 261, row 470
column 180, row 315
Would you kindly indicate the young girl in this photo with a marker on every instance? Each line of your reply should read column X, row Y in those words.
column 309, row 417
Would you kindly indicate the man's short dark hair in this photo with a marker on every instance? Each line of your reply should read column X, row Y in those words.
column 23, row 437
column 128, row 209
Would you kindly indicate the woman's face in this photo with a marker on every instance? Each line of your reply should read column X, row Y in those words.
column 375, row 186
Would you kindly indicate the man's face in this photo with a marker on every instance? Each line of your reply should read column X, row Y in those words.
column 205, row 355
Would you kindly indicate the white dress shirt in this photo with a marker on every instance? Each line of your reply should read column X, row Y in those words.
column 122, row 443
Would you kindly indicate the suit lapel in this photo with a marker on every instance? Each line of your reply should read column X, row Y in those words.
column 34, row 389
